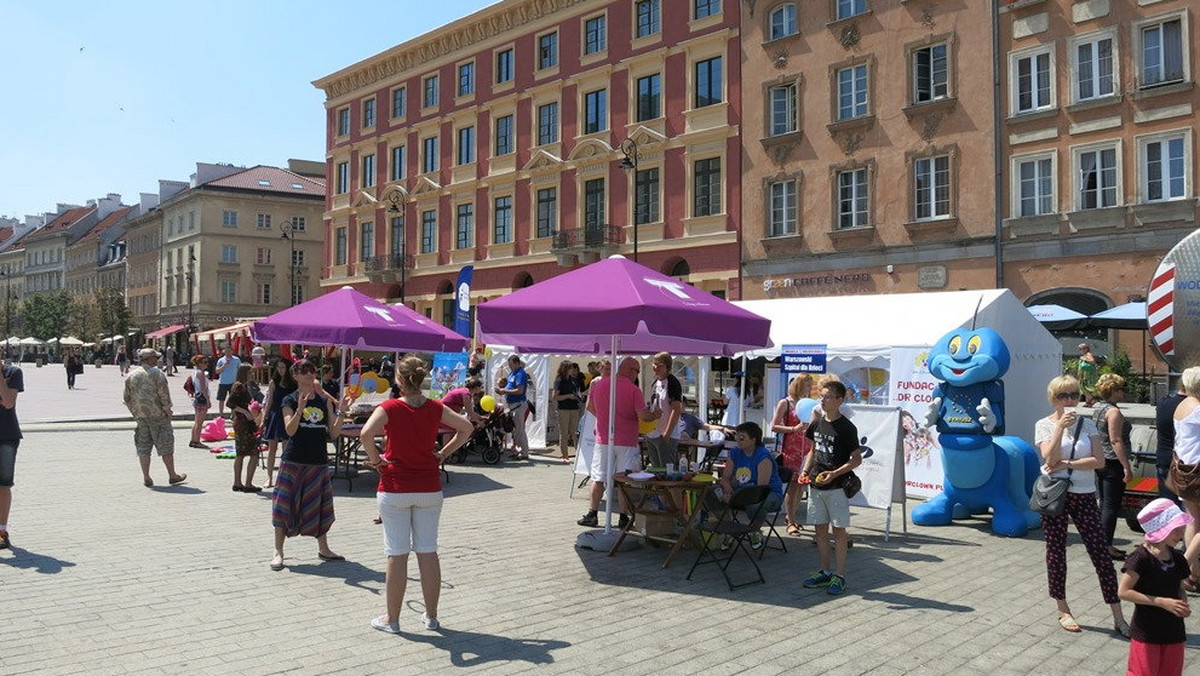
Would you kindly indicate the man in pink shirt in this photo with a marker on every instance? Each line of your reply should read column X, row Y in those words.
column 630, row 408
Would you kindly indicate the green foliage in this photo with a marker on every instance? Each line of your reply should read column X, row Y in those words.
column 113, row 315
column 1137, row 387
column 46, row 315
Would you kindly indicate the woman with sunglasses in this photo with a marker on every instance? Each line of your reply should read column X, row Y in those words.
column 1070, row 448
column 303, row 500
column 1114, row 430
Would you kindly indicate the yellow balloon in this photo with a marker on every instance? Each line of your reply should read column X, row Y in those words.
column 487, row 402
column 383, row 386
column 878, row 377
column 647, row 426
column 354, row 391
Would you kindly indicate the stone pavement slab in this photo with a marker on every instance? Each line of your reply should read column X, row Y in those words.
column 111, row 577
column 97, row 395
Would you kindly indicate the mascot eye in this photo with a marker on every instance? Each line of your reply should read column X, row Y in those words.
column 973, row 344
column 955, row 344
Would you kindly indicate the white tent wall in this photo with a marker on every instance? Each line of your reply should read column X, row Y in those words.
column 862, row 330
column 538, row 366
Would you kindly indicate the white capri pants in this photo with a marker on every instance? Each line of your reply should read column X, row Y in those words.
column 410, row 522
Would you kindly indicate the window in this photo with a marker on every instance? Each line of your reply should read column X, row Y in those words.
column 399, row 102
column 849, row 8
column 229, row 218
column 1094, row 77
column 369, row 113
column 708, row 82
column 548, row 123
column 1034, row 87
column 930, row 74
column 398, row 236
column 502, row 230
column 645, row 192
column 595, row 111
column 504, row 135
column 430, row 96
column 547, row 212
column 547, row 50
column 464, row 226
column 852, row 199
column 428, row 231
column 595, row 38
column 931, row 183
column 340, row 247
column 466, row 145
column 593, row 205
column 191, row 220
column 706, row 199
column 229, row 253
column 783, row 109
column 297, row 294
column 228, row 291
column 368, row 171
column 343, row 178
column 1035, row 187
column 1162, row 58
column 262, row 255
column 782, row 217
column 343, row 121
column 398, row 167
column 1164, row 167
column 707, row 8
column 466, row 79
column 649, row 97
column 783, row 21
column 429, row 159
column 264, row 293
column 298, row 258
column 1096, row 186
column 504, row 66
column 263, row 221
column 366, row 241
column 298, row 223
column 852, row 92
column 649, row 18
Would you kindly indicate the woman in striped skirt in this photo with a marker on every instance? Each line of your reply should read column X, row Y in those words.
column 303, row 500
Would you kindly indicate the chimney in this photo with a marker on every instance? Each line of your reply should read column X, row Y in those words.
column 147, row 201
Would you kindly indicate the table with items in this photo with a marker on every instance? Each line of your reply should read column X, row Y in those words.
column 678, row 497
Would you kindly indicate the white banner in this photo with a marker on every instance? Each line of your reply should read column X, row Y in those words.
column 879, row 436
column 911, row 389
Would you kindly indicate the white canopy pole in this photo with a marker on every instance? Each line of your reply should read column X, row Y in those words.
column 609, row 450
column 702, row 388
column 742, row 392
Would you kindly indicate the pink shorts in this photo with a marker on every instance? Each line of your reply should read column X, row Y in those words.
column 1153, row 659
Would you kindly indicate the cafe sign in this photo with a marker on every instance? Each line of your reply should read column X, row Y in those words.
column 816, row 281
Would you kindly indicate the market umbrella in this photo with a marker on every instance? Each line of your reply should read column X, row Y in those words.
column 31, row 341
column 617, row 306
column 71, row 341
column 1127, row 316
column 1057, row 317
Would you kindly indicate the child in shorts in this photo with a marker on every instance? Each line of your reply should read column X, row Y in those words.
column 835, row 454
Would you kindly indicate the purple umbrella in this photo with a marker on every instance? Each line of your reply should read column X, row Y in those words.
column 347, row 318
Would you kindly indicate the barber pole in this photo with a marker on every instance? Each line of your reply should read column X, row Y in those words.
column 1173, row 304
column 1160, row 308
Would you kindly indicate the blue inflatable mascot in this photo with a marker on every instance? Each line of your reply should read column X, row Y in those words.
column 984, row 469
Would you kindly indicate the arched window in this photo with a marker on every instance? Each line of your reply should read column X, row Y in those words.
column 522, row 280
column 681, row 269
column 783, row 21
column 1084, row 301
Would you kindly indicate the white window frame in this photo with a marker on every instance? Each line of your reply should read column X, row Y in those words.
column 229, row 253
column 1014, row 58
column 368, row 171
column 228, row 291
column 263, row 293
column 1094, row 39
column 229, row 218
column 430, row 161
column 1139, row 57
column 366, row 241
column 858, row 192
column 1016, row 196
column 934, row 85
column 789, row 116
column 787, row 29
column 428, row 101
column 845, row 9
column 299, row 224
column 342, row 178
column 855, row 93
column 655, row 23
column 1185, row 135
column 779, row 224
column 262, row 255
column 601, row 45
column 1077, row 153
column 927, row 167
column 263, row 221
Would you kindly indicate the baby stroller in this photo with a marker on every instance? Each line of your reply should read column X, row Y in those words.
column 487, row 440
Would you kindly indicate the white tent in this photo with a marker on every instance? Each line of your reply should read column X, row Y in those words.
column 32, row 342
column 71, row 341
column 863, row 330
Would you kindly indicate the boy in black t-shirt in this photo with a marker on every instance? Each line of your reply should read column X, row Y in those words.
column 835, row 454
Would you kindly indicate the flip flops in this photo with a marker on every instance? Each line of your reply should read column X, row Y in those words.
column 330, row 557
column 794, row 529
column 1068, row 622
column 1122, row 628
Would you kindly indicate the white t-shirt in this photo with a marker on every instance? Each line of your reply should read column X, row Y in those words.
column 732, row 417
column 662, row 403
column 1187, row 438
column 1082, row 481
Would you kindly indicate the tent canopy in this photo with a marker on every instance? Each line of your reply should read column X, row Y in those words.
column 238, row 329
column 1127, row 316
column 1057, row 317
column 166, row 331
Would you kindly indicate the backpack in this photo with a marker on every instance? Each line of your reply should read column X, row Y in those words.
column 189, row 386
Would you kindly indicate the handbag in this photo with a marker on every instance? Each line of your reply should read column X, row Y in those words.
column 851, row 484
column 1049, row 497
column 1184, row 480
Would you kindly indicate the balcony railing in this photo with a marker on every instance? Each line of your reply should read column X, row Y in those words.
column 387, row 268
column 587, row 238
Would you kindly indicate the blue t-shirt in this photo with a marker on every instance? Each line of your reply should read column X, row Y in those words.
column 229, row 373
column 518, row 378
column 745, row 469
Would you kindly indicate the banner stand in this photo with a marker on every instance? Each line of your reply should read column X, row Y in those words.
column 882, row 474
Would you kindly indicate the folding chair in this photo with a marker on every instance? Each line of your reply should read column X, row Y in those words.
column 726, row 524
column 769, row 520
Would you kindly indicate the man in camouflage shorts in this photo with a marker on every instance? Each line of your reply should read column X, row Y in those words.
column 149, row 401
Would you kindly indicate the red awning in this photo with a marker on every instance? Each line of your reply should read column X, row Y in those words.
column 166, row 331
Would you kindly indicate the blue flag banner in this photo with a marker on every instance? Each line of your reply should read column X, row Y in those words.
column 462, row 305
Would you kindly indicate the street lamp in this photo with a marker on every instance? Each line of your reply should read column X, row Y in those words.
column 288, row 230
column 7, row 309
column 396, row 199
column 191, row 280
column 629, row 149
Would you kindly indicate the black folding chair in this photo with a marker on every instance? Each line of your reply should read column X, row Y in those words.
column 726, row 524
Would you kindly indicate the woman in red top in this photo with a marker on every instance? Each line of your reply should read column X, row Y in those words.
column 410, row 486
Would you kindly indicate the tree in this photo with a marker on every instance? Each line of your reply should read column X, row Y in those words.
column 46, row 314
column 113, row 315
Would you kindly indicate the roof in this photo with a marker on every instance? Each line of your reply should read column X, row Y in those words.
column 61, row 223
column 113, row 218
column 270, row 179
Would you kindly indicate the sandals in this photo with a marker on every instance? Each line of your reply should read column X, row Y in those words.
column 1116, row 554
column 794, row 529
column 1121, row 627
column 1066, row 621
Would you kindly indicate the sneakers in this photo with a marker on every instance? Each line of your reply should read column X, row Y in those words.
column 381, row 623
column 589, row 520
column 623, row 522
column 837, row 584
column 818, row 579
column 431, row 623
column 756, row 540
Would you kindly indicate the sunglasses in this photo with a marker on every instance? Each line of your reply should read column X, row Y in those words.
column 1065, row 396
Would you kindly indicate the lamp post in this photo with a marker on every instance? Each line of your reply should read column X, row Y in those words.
column 629, row 163
column 397, row 210
column 7, row 310
column 191, row 281
column 288, row 232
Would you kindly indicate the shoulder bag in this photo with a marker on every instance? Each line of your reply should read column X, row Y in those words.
column 1049, row 496
column 1184, row 480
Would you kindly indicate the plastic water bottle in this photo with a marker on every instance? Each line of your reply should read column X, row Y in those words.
column 683, row 464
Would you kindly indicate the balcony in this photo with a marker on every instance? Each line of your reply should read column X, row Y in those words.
column 587, row 244
column 387, row 268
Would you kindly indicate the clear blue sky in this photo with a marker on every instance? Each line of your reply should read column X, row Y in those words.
column 104, row 97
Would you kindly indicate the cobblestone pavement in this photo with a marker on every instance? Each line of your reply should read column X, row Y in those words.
column 110, row 577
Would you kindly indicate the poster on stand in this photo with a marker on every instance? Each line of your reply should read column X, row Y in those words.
column 911, row 389
column 449, row 372
column 879, row 437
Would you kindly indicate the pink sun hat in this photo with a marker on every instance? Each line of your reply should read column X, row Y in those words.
column 1159, row 518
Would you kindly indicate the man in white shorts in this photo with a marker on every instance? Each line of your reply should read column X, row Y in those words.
column 630, row 408
column 835, row 454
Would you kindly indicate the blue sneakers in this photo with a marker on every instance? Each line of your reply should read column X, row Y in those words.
column 837, row 584
column 817, row 579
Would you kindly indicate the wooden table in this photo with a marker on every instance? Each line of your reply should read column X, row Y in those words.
column 348, row 455
column 661, row 498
